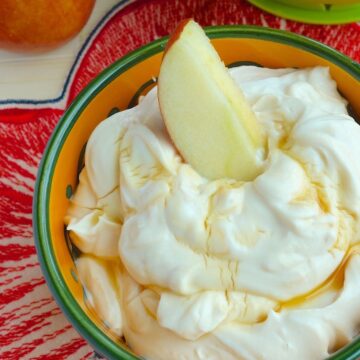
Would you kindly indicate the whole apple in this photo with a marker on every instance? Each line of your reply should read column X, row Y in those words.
column 41, row 24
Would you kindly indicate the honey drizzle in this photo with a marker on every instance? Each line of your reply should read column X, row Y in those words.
column 334, row 282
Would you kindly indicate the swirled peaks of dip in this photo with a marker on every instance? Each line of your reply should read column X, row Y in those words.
column 189, row 268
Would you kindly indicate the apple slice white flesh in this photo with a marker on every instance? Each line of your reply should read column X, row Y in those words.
column 205, row 113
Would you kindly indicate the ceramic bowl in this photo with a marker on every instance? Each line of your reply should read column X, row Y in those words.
column 312, row 3
column 118, row 87
column 313, row 11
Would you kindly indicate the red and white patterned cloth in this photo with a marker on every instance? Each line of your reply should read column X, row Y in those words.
column 31, row 324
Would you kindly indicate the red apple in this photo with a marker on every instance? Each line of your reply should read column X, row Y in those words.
column 206, row 114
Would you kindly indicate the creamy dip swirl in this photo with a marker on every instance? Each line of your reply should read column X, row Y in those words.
column 188, row 268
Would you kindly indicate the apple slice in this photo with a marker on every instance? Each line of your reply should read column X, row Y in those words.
column 205, row 113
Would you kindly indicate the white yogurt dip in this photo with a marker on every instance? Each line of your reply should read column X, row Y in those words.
column 188, row 268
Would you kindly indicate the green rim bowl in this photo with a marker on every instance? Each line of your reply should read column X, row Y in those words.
column 115, row 88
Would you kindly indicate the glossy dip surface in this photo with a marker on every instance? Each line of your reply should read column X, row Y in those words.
column 188, row 268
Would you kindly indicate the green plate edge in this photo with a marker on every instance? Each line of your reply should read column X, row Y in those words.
column 41, row 225
column 337, row 15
